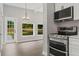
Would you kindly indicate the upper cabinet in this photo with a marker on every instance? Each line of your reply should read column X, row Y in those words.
column 60, row 6
column 76, row 11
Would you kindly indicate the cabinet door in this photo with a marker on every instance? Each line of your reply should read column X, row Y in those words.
column 60, row 6
column 73, row 47
column 76, row 11
column 66, row 5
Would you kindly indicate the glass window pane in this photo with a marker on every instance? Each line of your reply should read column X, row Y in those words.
column 40, row 29
column 27, row 29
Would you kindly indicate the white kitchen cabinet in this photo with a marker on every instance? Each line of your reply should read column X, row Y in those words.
column 74, row 46
column 60, row 6
column 76, row 11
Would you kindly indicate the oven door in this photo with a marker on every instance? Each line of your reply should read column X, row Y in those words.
column 57, row 48
column 58, row 45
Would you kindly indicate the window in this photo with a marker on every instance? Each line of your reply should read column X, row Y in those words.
column 27, row 29
column 40, row 29
column 10, row 30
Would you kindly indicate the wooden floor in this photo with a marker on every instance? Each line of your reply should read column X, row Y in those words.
column 34, row 48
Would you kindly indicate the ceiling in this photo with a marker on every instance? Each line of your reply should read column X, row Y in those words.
column 33, row 6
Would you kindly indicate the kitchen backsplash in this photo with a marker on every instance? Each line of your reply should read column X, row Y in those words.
column 69, row 24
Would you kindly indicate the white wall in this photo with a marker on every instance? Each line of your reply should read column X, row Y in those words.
column 49, row 25
column 1, row 26
column 35, row 18
column 12, row 11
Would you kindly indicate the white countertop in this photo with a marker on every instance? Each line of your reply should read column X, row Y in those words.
column 75, row 36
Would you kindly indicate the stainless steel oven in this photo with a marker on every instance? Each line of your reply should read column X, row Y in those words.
column 58, row 45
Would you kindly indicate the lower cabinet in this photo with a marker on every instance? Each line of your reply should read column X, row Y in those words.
column 73, row 46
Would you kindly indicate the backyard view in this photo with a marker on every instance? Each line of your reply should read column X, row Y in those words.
column 40, row 29
column 27, row 29
column 10, row 30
